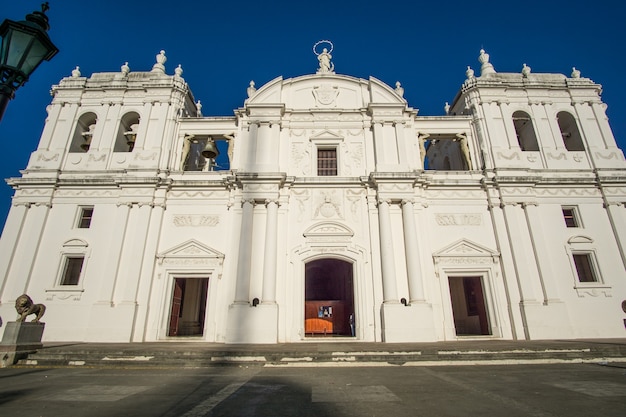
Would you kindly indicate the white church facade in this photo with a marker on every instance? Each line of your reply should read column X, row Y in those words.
column 341, row 213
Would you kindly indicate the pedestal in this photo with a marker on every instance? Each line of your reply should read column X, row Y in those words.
column 547, row 321
column 410, row 323
column 247, row 324
column 20, row 339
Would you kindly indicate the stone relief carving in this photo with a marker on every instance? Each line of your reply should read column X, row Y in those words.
column 145, row 156
column 469, row 261
column 557, row 157
column 54, row 157
column 77, row 193
column 458, row 219
column 328, row 206
column 195, row 220
column 94, row 158
column 478, row 194
column 75, row 295
column 514, row 155
column 301, row 157
column 612, row 155
column 301, row 197
column 354, row 197
column 354, row 157
column 202, row 194
column 192, row 261
column 326, row 94
column 594, row 292
column 566, row 192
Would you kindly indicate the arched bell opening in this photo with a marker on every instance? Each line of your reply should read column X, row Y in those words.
column 83, row 134
column 569, row 131
column 127, row 133
column 525, row 131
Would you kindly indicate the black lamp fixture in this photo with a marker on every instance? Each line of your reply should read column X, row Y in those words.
column 25, row 45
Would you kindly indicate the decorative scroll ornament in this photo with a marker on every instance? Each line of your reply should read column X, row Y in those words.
column 324, row 57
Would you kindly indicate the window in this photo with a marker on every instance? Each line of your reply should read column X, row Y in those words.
column 584, row 267
column 571, row 217
column 84, row 219
column 72, row 269
column 327, row 161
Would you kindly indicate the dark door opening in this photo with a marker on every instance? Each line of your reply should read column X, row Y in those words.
column 329, row 298
column 468, row 306
column 188, row 307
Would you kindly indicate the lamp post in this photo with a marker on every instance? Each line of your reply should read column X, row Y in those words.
column 25, row 45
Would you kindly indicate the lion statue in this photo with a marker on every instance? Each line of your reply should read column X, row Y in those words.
column 25, row 307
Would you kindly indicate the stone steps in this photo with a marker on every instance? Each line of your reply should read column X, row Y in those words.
column 193, row 355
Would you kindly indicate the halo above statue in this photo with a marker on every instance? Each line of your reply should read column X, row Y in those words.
column 329, row 43
column 324, row 57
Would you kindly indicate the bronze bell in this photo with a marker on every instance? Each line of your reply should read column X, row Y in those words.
column 210, row 150
column 87, row 144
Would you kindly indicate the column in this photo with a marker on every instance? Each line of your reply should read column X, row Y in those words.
column 134, row 245
column 412, row 255
column 390, row 290
column 617, row 218
column 8, row 243
column 379, row 145
column 108, row 278
column 244, row 262
column 250, row 147
column 542, row 252
column 522, row 258
column 271, row 244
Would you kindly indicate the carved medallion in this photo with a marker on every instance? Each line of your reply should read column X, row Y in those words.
column 326, row 94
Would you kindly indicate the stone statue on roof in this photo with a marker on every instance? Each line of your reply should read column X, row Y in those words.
column 324, row 58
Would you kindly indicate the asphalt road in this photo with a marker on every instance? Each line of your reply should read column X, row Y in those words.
column 518, row 390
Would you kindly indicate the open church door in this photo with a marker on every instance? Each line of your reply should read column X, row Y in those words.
column 188, row 310
column 329, row 298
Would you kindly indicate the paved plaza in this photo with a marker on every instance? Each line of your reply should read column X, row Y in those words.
column 571, row 390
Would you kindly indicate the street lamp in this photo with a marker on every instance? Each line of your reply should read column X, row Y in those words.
column 25, row 45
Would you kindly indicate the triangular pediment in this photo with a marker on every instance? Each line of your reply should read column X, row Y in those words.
column 326, row 135
column 191, row 249
column 465, row 248
column 328, row 229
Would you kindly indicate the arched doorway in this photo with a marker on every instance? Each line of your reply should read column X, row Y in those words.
column 329, row 298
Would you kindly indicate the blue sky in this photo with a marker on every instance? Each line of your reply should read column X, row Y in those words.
column 223, row 45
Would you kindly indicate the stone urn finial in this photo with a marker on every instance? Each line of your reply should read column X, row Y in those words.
column 485, row 66
column 160, row 61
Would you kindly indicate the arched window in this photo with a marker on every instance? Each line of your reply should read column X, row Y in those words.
column 127, row 133
column 525, row 131
column 569, row 131
column 81, row 141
